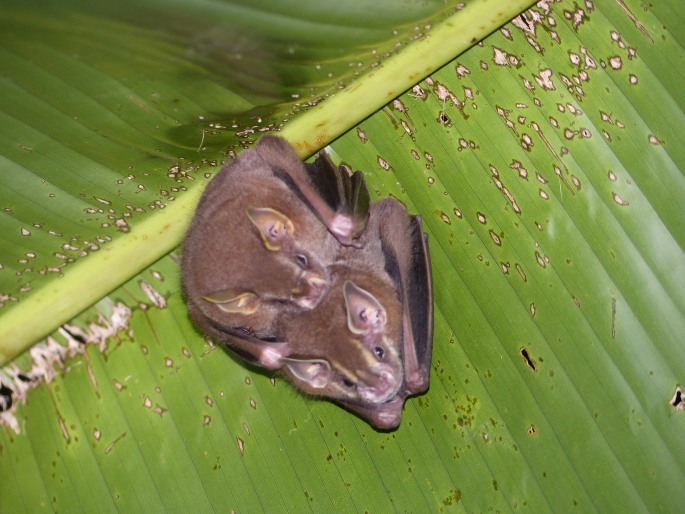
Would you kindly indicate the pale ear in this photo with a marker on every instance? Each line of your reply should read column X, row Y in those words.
column 364, row 313
column 233, row 302
column 315, row 372
column 273, row 226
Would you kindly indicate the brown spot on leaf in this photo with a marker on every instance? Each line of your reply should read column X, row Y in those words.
column 495, row 238
column 111, row 445
column 383, row 163
column 521, row 273
column 444, row 217
column 544, row 79
column 63, row 426
column 616, row 62
column 620, row 200
column 159, row 410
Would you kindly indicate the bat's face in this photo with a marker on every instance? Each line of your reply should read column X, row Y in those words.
column 296, row 265
column 349, row 348
column 278, row 268
column 302, row 272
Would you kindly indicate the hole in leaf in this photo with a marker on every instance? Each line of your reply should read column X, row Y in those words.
column 78, row 337
column 528, row 359
column 5, row 398
column 678, row 401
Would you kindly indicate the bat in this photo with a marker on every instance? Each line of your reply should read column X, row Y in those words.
column 292, row 268
column 367, row 345
column 258, row 243
column 348, row 347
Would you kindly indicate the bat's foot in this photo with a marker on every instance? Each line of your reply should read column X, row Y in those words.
column 417, row 382
column 342, row 227
column 270, row 357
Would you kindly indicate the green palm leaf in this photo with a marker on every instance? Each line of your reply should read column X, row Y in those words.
column 546, row 168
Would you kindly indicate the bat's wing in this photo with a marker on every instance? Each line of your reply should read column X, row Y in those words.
column 261, row 352
column 345, row 192
column 418, row 298
column 407, row 261
column 339, row 201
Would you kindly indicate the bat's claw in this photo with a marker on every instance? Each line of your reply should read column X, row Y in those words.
column 270, row 357
column 417, row 382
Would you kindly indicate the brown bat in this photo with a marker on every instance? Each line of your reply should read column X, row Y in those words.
column 367, row 345
column 259, row 242
column 353, row 324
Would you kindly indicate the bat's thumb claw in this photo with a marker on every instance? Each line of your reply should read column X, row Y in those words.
column 271, row 358
column 342, row 227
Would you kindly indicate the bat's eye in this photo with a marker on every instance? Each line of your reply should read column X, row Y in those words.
column 302, row 260
column 379, row 352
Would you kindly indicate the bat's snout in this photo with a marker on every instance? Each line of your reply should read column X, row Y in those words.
column 311, row 291
column 380, row 384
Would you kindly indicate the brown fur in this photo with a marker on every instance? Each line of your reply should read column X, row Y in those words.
column 223, row 249
column 324, row 333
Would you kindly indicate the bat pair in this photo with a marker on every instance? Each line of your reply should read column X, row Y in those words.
column 292, row 268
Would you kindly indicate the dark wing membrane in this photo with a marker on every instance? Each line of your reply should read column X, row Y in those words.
column 344, row 192
column 411, row 273
column 358, row 200
column 420, row 297
column 237, row 339
column 327, row 181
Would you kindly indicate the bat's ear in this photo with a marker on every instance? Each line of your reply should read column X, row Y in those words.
column 273, row 226
column 364, row 313
column 234, row 302
column 315, row 372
